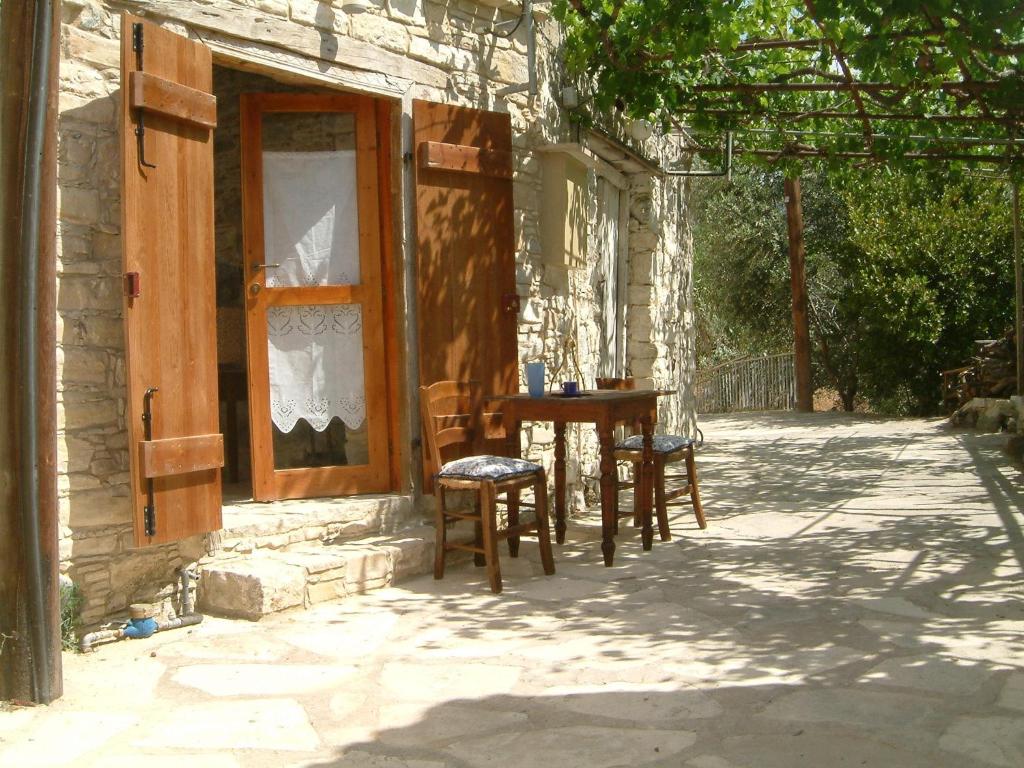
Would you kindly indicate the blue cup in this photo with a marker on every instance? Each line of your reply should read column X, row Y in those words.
column 535, row 379
column 570, row 388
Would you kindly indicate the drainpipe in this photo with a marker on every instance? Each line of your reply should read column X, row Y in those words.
column 186, row 619
column 29, row 91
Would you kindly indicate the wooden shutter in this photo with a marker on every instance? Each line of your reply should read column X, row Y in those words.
column 170, row 306
column 467, row 304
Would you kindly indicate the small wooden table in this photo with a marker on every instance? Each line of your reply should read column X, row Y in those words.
column 604, row 409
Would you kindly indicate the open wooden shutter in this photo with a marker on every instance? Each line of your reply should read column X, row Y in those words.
column 467, row 305
column 168, row 115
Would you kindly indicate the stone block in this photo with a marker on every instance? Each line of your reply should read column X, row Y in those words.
column 82, row 366
column 380, row 31
column 97, row 507
column 88, row 294
column 367, row 569
column 322, row 591
column 93, row 546
column 80, row 412
column 91, row 48
column 406, row 11
column 81, row 205
column 412, row 556
column 251, row 588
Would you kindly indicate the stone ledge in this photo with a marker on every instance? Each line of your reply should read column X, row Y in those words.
column 272, row 581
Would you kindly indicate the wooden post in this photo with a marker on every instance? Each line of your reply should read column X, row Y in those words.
column 1019, row 271
column 30, row 643
column 798, row 286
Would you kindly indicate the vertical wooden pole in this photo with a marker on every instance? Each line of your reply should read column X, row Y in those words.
column 798, row 286
column 1018, row 267
column 30, row 643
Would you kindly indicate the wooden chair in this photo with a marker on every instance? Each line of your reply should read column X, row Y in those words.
column 454, row 425
column 668, row 449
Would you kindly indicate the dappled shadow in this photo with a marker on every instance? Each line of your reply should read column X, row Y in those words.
column 855, row 600
column 862, row 611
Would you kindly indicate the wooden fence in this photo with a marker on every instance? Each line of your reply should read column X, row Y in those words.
column 751, row 384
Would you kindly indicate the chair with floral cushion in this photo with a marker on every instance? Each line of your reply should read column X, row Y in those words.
column 454, row 424
column 668, row 449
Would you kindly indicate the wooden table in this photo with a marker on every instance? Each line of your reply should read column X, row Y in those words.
column 604, row 409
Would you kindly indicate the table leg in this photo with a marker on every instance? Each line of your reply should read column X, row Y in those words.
column 604, row 436
column 646, row 481
column 560, row 482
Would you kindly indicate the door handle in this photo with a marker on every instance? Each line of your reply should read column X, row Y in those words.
column 258, row 267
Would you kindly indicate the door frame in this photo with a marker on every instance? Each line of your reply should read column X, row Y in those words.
column 378, row 476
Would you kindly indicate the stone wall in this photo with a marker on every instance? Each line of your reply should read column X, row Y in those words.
column 402, row 49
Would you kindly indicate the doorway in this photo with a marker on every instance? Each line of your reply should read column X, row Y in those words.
column 301, row 351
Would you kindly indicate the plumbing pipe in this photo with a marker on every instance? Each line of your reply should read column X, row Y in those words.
column 186, row 619
column 86, row 643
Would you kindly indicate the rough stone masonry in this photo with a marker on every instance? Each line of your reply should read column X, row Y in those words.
column 399, row 48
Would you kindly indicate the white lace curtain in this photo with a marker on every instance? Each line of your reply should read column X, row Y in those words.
column 311, row 230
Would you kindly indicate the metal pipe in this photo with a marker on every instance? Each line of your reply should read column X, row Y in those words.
column 186, row 619
column 40, row 622
column 531, row 54
column 531, row 47
column 88, row 641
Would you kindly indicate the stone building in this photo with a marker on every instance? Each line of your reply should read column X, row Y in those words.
column 598, row 267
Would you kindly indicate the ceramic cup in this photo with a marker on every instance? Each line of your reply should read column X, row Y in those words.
column 535, row 379
column 570, row 388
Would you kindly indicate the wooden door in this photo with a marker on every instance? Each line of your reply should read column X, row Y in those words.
column 609, row 281
column 467, row 306
column 168, row 115
column 317, row 369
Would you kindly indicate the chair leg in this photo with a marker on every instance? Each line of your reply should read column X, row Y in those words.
column 637, row 493
column 489, row 518
column 513, row 520
column 659, row 498
column 540, row 497
column 440, row 534
column 691, row 477
column 478, row 537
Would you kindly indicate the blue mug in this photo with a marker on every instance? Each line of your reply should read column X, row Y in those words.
column 570, row 388
column 535, row 379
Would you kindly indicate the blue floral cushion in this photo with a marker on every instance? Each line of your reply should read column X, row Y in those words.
column 487, row 468
column 662, row 443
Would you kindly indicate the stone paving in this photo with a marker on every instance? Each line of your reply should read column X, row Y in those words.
column 856, row 600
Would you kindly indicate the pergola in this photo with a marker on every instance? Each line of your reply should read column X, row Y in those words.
column 836, row 82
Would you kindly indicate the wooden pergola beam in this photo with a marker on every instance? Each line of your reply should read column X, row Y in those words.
column 798, row 289
column 817, row 42
column 947, row 86
column 838, row 115
column 852, row 155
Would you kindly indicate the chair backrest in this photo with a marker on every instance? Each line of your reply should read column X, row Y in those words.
column 610, row 382
column 452, row 415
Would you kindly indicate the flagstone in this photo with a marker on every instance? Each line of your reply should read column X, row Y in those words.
column 259, row 724
column 264, row 679
column 584, row 746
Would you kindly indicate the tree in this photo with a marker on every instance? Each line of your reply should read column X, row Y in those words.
column 903, row 272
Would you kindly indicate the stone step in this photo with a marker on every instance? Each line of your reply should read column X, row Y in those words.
column 270, row 580
column 250, row 526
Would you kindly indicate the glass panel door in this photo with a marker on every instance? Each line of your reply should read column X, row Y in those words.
column 314, row 296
